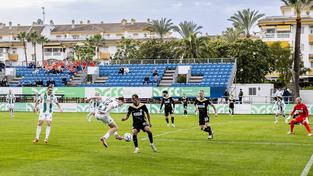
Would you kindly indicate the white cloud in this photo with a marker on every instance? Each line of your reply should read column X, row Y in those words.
column 202, row 3
column 177, row 4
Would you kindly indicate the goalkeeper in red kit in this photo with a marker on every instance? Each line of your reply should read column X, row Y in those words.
column 302, row 117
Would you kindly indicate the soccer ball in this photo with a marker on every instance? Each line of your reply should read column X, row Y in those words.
column 128, row 137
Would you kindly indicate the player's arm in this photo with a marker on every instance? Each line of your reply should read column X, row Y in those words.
column 35, row 107
column 173, row 102
column 58, row 104
column 162, row 102
column 145, row 109
column 93, row 98
column 214, row 108
column 127, row 115
column 196, row 107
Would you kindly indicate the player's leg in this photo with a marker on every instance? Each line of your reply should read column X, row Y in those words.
column 38, row 130
column 307, row 127
column 172, row 118
column 147, row 129
column 185, row 110
column 232, row 111
column 292, row 124
column 113, row 128
column 166, row 118
column 135, row 139
column 276, row 117
column 12, row 110
column 48, row 129
column 205, row 126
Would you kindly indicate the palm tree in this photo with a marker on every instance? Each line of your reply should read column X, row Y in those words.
column 192, row 47
column 33, row 38
column 23, row 36
column 96, row 42
column 42, row 40
column 232, row 34
column 246, row 20
column 161, row 27
column 299, row 6
column 186, row 28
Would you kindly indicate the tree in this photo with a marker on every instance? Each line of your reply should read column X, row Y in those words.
column 23, row 36
column 246, row 20
column 126, row 49
column 84, row 52
column 282, row 62
column 299, row 6
column 96, row 42
column 33, row 38
column 187, row 28
column 254, row 60
column 42, row 40
column 192, row 47
column 156, row 49
column 161, row 27
column 232, row 34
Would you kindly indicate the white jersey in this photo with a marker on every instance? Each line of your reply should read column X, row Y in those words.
column 94, row 103
column 105, row 102
column 279, row 106
column 10, row 98
column 47, row 102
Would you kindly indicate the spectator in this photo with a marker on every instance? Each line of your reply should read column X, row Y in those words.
column 240, row 96
column 92, row 64
column 286, row 95
column 126, row 70
column 146, row 80
column 2, row 66
column 155, row 72
column 121, row 71
column 84, row 64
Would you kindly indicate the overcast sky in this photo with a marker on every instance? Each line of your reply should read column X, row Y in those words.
column 211, row 14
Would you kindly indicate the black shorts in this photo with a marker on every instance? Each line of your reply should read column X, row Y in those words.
column 231, row 106
column 168, row 112
column 185, row 106
column 140, row 126
column 203, row 120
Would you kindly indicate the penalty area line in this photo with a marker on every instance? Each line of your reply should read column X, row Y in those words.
column 307, row 167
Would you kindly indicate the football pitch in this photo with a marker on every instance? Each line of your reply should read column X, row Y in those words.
column 243, row 145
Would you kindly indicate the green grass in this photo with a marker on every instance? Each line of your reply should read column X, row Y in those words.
column 243, row 145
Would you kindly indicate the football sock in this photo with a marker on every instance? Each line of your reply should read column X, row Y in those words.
column 172, row 119
column 107, row 135
column 38, row 132
column 306, row 125
column 209, row 130
column 167, row 120
column 48, row 131
column 135, row 140
column 150, row 137
column 292, row 125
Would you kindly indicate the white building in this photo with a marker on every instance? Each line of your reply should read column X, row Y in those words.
column 62, row 38
column 282, row 28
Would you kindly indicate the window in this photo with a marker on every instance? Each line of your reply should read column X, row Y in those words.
column 271, row 30
column 0, row 37
column 48, row 49
column 14, row 50
column 75, row 36
column 311, row 64
column 302, row 30
column 311, row 29
column 252, row 91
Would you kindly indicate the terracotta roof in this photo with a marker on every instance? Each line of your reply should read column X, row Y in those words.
column 14, row 30
column 104, row 28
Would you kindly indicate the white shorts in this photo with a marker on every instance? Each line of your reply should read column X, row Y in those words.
column 105, row 118
column 45, row 116
column 280, row 112
column 10, row 106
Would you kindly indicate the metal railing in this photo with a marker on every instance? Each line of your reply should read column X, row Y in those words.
column 174, row 61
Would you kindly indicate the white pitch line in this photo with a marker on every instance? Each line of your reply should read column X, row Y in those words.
column 239, row 142
column 307, row 167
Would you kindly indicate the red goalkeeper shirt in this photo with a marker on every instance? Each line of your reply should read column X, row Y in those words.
column 301, row 109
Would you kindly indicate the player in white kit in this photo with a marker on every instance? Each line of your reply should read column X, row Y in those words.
column 103, row 114
column 46, row 100
column 10, row 103
column 279, row 108
column 93, row 105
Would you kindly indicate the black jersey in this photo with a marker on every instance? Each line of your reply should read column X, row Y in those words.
column 203, row 106
column 168, row 102
column 138, row 113
column 184, row 100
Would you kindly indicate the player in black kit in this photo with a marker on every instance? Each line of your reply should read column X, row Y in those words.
column 138, row 111
column 231, row 103
column 168, row 108
column 201, row 105
column 185, row 101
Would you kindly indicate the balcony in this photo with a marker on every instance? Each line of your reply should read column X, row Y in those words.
column 283, row 35
column 268, row 35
